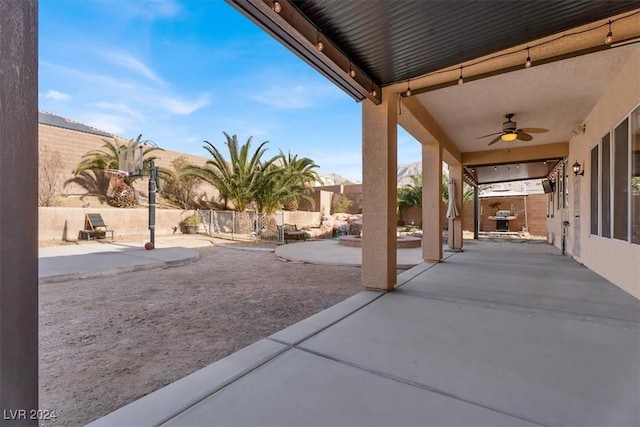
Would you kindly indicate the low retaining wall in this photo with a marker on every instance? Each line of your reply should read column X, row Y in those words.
column 65, row 223
column 58, row 223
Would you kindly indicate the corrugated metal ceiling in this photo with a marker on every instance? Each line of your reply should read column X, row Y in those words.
column 396, row 40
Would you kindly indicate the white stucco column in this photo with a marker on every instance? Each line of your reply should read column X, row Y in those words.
column 379, row 177
column 455, row 226
column 432, row 214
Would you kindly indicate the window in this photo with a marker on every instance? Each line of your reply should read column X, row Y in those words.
column 615, row 182
column 566, row 184
column 594, row 190
column 621, row 182
column 635, row 176
column 605, row 201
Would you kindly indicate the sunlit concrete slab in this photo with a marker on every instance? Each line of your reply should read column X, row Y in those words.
column 330, row 252
column 303, row 389
column 86, row 261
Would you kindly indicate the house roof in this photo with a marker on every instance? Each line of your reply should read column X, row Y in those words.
column 50, row 119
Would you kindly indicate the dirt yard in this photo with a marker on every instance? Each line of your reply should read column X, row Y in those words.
column 109, row 341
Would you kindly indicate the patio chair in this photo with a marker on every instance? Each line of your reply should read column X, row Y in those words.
column 94, row 227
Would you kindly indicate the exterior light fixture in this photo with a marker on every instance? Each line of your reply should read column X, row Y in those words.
column 510, row 136
column 319, row 45
column 277, row 7
column 352, row 72
column 408, row 92
column 527, row 63
column 609, row 37
column 576, row 169
column 374, row 93
column 460, row 79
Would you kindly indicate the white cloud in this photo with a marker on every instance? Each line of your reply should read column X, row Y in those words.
column 126, row 60
column 111, row 123
column 120, row 108
column 57, row 96
column 286, row 97
column 182, row 106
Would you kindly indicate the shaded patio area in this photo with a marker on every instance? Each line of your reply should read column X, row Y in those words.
column 501, row 334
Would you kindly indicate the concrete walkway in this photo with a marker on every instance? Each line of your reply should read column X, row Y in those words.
column 503, row 334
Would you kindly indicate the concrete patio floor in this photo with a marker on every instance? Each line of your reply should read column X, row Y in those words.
column 502, row 334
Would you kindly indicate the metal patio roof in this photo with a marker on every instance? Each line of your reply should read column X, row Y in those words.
column 393, row 41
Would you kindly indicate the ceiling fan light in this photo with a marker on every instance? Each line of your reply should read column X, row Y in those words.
column 510, row 136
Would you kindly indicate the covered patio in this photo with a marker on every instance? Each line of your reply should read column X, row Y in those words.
column 503, row 334
column 494, row 335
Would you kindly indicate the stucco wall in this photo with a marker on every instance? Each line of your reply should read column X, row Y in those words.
column 72, row 145
column 536, row 213
column 65, row 223
column 613, row 259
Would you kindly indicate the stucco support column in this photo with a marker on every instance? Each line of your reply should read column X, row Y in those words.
column 18, row 211
column 455, row 225
column 379, row 182
column 432, row 214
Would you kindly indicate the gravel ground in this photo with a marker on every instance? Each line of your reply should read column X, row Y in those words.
column 109, row 341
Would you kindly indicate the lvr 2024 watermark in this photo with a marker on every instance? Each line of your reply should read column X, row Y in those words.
column 29, row 414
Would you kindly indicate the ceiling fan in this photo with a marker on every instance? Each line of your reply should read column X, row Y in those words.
column 510, row 132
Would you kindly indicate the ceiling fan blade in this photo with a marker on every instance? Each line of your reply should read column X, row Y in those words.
column 534, row 130
column 491, row 134
column 496, row 139
column 523, row 136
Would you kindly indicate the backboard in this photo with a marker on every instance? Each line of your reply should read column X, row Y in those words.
column 130, row 160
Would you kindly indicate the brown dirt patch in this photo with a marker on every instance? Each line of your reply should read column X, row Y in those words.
column 109, row 341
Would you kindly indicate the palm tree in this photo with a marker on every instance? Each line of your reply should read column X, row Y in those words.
column 467, row 190
column 99, row 161
column 238, row 179
column 286, row 183
column 410, row 195
column 90, row 173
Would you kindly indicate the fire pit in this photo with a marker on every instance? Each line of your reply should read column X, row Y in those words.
column 405, row 242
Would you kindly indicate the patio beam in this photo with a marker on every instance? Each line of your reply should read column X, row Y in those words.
column 19, row 211
column 529, row 153
column 417, row 121
column 379, row 181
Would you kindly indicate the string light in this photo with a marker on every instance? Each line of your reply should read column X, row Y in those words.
column 546, row 42
column 408, row 92
column 527, row 63
column 609, row 37
column 352, row 72
column 277, row 7
column 319, row 44
column 460, row 79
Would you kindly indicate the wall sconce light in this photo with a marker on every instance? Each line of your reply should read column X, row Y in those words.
column 576, row 169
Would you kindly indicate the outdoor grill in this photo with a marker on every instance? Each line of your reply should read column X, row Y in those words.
column 502, row 219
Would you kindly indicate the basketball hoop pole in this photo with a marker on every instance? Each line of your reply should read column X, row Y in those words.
column 153, row 188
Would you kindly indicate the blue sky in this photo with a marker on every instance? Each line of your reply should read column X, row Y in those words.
column 180, row 72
